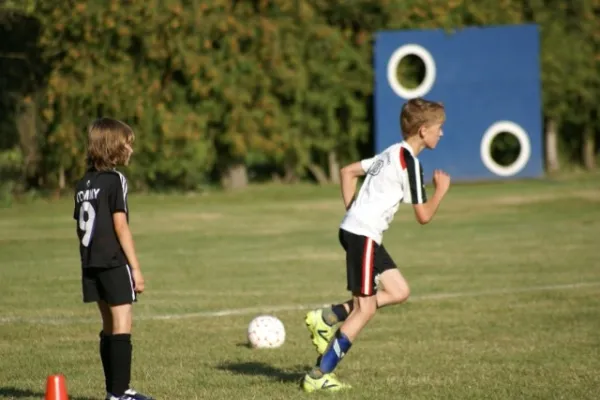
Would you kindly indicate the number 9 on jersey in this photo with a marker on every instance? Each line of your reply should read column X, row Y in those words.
column 86, row 225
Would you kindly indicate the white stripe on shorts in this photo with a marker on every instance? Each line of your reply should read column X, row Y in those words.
column 131, row 282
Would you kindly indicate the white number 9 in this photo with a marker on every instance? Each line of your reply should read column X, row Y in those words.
column 86, row 226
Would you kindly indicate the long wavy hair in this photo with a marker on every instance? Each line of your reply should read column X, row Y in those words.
column 107, row 140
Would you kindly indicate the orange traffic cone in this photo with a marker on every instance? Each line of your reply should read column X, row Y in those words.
column 56, row 388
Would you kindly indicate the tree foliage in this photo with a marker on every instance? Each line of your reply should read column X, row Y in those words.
column 211, row 86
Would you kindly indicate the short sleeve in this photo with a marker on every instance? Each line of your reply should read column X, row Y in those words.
column 117, row 194
column 415, row 192
column 366, row 163
column 421, row 186
column 75, row 208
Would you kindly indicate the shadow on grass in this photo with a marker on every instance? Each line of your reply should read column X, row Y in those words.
column 261, row 369
column 16, row 393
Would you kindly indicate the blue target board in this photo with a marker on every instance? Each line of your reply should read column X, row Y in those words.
column 489, row 81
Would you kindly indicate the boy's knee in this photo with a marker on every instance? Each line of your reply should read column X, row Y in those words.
column 402, row 294
column 367, row 306
column 121, row 318
column 398, row 293
column 395, row 286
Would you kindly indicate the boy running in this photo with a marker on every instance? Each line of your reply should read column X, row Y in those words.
column 392, row 177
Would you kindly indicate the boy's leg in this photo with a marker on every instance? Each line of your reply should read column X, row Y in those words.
column 365, row 308
column 360, row 265
column 105, row 334
column 120, row 349
column 92, row 290
column 337, row 313
column 119, row 294
column 321, row 377
column 392, row 289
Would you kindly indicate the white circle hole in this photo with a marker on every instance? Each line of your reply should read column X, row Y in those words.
column 486, row 148
column 428, row 80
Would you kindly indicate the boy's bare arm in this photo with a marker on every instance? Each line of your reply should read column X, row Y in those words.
column 126, row 240
column 349, row 178
column 424, row 212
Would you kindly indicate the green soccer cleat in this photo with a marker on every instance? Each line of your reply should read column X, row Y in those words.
column 320, row 332
column 327, row 382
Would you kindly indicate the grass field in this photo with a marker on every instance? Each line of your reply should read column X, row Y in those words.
column 505, row 296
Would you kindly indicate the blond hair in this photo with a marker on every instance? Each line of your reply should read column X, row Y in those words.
column 418, row 112
column 107, row 140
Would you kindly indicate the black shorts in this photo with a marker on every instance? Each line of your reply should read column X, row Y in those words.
column 113, row 285
column 365, row 260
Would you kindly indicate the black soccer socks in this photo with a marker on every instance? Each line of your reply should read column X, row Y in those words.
column 104, row 356
column 119, row 365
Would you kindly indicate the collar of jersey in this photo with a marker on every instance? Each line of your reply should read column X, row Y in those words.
column 404, row 144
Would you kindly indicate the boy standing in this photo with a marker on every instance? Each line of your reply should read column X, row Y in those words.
column 111, row 275
column 392, row 177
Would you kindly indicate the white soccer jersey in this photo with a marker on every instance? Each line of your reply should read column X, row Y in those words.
column 392, row 177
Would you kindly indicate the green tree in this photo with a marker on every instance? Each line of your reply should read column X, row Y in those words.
column 22, row 77
column 224, row 88
column 122, row 60
column 570, row 64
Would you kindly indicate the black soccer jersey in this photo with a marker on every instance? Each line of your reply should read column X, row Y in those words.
column 98, row 195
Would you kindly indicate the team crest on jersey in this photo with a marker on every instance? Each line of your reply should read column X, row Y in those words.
column 88, row 183
column 376, row 167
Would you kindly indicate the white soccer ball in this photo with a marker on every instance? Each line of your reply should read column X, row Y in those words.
column 266, row 332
